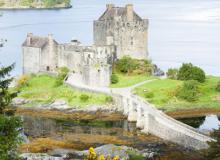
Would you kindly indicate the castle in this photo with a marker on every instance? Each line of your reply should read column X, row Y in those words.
column 118, row 32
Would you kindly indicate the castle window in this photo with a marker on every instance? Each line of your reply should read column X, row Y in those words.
column 48, row 68
column 132, row 40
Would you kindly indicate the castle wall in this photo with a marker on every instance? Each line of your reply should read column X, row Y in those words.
column 31, row 60
column 96, row 75
column 69, row 58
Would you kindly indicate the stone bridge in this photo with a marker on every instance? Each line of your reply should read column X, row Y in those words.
column 148, row 118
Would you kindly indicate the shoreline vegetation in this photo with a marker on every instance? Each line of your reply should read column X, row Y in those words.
column 33, row 4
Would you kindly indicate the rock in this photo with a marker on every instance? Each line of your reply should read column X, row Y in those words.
column 106, row 150
column 19, row 101
column 38, row 156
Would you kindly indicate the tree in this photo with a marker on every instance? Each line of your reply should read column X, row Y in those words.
column 189, row 91
column 172, row 73
column 9, row 124
column 126, row 64
column 5, row 95
column 189, row 72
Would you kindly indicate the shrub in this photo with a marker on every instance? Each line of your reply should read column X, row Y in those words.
column 84, row 97
column 22, row 81
column 218, row 87
column 126, row 64
column 149, row 95
column 189, row 91
column 109, row 99
column 114, row 78
column 172, row 73
column 190, row 72
column 62, row 73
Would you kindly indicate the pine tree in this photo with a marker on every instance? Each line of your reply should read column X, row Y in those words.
column 9, row 124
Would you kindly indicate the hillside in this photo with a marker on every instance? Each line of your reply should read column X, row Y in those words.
column 14, row 4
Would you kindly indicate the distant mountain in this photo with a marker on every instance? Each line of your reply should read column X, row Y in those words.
column 34, row 3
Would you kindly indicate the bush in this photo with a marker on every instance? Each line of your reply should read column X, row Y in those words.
column 126, row 64
column 189, row 91
column 149, row 95
column 62, row 73
column 190, row 72
column 172, row 73
column 22, row 81
column 218, row 87
column 84, row 97
column 114, row 78
column 109, row 99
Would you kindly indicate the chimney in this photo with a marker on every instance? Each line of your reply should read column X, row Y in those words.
column 109, row 6
column 29, row 37
column 50, row 39
column 51, row 44
column 130, row 12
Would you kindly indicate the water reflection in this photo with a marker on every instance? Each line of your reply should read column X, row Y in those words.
column 211, row 122
column 85, row 133
column 206, row 123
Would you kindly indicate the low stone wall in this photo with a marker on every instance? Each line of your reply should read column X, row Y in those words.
column 151, row 120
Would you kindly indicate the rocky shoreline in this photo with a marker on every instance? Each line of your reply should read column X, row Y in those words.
column 108, row 150
column 34, row 8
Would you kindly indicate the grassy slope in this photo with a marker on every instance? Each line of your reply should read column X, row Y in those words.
column 129, row 80
column 41, row 89
column 164, row 90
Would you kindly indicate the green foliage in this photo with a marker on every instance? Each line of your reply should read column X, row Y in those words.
column 212, row 153
column 149, row 95
column 218, row 86
column 84, row 97
column 135, row 156
column 9, row 125
column 5, row 95
column 9, row 137
column 172, row 73
column 189, row 91
column 52, row 3
column 190, row 72
column 27, row 2
column 114, row 79
column 126, row 64
column 62, row 73
column 109, row 99
column 22, row 81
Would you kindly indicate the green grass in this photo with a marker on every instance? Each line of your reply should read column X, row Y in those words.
column 164, row 94
column 41, row 89
column 129, row 80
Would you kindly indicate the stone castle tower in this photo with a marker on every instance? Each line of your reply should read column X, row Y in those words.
column 122, row 27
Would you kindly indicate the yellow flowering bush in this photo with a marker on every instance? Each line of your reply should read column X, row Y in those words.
column 22, row 81
column 93, row 156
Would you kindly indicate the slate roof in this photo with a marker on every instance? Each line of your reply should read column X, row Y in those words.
column 37, row 42
column 117, row 11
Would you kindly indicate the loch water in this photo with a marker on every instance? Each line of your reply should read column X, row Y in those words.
column 179, row 31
